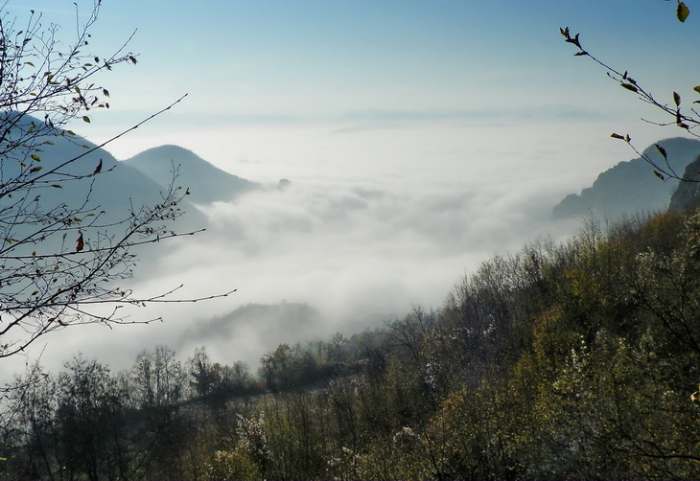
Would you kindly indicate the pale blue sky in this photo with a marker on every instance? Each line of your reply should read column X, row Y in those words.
column 291, row 57
column 361, row 64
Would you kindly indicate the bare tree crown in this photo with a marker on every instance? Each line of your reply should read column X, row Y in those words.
column 61, row 261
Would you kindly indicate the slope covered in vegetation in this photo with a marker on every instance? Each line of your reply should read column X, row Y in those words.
column 571, row 361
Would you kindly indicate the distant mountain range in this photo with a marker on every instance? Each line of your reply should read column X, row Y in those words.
column 631, row 186
column 122, row 186
column 133, row 183
column 115, row 190
column 207, row 183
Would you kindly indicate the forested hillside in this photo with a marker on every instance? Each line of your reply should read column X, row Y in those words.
column 565, row 361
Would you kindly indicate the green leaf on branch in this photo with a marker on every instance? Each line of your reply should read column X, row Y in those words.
column 630, row 87
column 682, row 11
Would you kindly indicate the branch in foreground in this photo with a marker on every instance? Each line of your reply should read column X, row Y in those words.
column 688, row 120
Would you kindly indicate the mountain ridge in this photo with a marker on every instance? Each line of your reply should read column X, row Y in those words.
column 687, row 196
column 207, row 183
column 630, row 186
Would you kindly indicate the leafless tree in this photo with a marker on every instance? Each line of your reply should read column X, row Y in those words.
column 61, row 262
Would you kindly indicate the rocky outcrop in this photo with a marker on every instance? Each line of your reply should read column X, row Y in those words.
column 631, row 187
column 687, row 195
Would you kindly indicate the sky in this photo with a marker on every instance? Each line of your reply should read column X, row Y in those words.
column 421, row 137
column 263, row 69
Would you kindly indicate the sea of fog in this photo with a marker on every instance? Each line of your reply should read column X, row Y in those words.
column 375, row 222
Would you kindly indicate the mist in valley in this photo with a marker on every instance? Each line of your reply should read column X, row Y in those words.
column 367, row 224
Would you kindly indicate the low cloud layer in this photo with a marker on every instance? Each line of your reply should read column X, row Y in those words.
column 355, row 256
